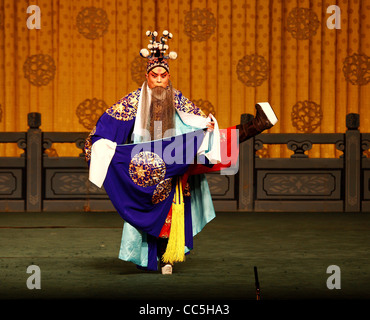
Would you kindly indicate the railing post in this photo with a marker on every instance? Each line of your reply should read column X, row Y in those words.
column 352, row 164
column 34, row 158
column 246, row 170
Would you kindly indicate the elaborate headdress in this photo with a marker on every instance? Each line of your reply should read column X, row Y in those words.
column 157, row 55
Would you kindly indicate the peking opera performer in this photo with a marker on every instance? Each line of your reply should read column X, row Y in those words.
column 151, row 150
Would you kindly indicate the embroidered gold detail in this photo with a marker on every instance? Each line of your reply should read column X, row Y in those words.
column 140, row 171
column 147, row 169
column 184, row 104
column 125, row 109
column 187, row 190
column 88, row 145
column 168, row 219
column 162, row 191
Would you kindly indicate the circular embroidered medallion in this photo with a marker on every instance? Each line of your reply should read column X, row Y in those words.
column 162, row 191
column 147, row 169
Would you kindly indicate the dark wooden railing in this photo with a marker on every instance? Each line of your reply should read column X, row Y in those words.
column 37, row 182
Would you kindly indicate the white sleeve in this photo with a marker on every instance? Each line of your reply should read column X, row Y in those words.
column 214, row 151
column 102, row 152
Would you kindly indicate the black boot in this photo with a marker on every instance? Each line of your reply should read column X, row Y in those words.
column 161, row 249
column 166, row 268
column 265, row 119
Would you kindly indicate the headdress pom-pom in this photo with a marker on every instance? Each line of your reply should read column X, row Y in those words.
column 144, row 53
column 157, row 48
column 172, row 55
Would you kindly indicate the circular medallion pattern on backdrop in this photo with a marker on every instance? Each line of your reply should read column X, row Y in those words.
column 356, row 69
column 252, row 70
column 92, row 22
column 205, row 106
column 138, row 70
column 39, row 69
column 302, row 23
column 306, row 116
column 89, row 111
column 199, row 24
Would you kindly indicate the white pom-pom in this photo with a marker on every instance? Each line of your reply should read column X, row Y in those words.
column 144, row 53
column 160, row 46
column 172, row 55
column 165, row 47
column 150, row 46
column 155, row 33
column 170, row 35
column 148, row 33
column 165, row 32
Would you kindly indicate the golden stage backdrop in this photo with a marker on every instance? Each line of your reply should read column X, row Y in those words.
column 70, row 60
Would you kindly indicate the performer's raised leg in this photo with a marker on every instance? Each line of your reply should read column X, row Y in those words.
column 265, row 119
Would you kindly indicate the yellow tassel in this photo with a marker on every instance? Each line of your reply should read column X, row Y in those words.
column 175, row 251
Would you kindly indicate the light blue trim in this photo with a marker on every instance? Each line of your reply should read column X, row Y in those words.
column 202, row 210
column 134, row 247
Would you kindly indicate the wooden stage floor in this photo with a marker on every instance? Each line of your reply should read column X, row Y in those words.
column 77, row 254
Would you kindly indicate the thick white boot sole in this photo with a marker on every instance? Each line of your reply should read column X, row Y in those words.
column 167, row 269
column 269, row 112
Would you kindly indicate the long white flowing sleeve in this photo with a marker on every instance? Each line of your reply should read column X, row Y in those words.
column 102, row 152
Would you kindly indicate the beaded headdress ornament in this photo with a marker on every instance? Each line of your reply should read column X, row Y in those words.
column 156, row 54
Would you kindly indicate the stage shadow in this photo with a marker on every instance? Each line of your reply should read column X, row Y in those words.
column 116, row 266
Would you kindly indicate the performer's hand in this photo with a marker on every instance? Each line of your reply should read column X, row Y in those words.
column 210, row 125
